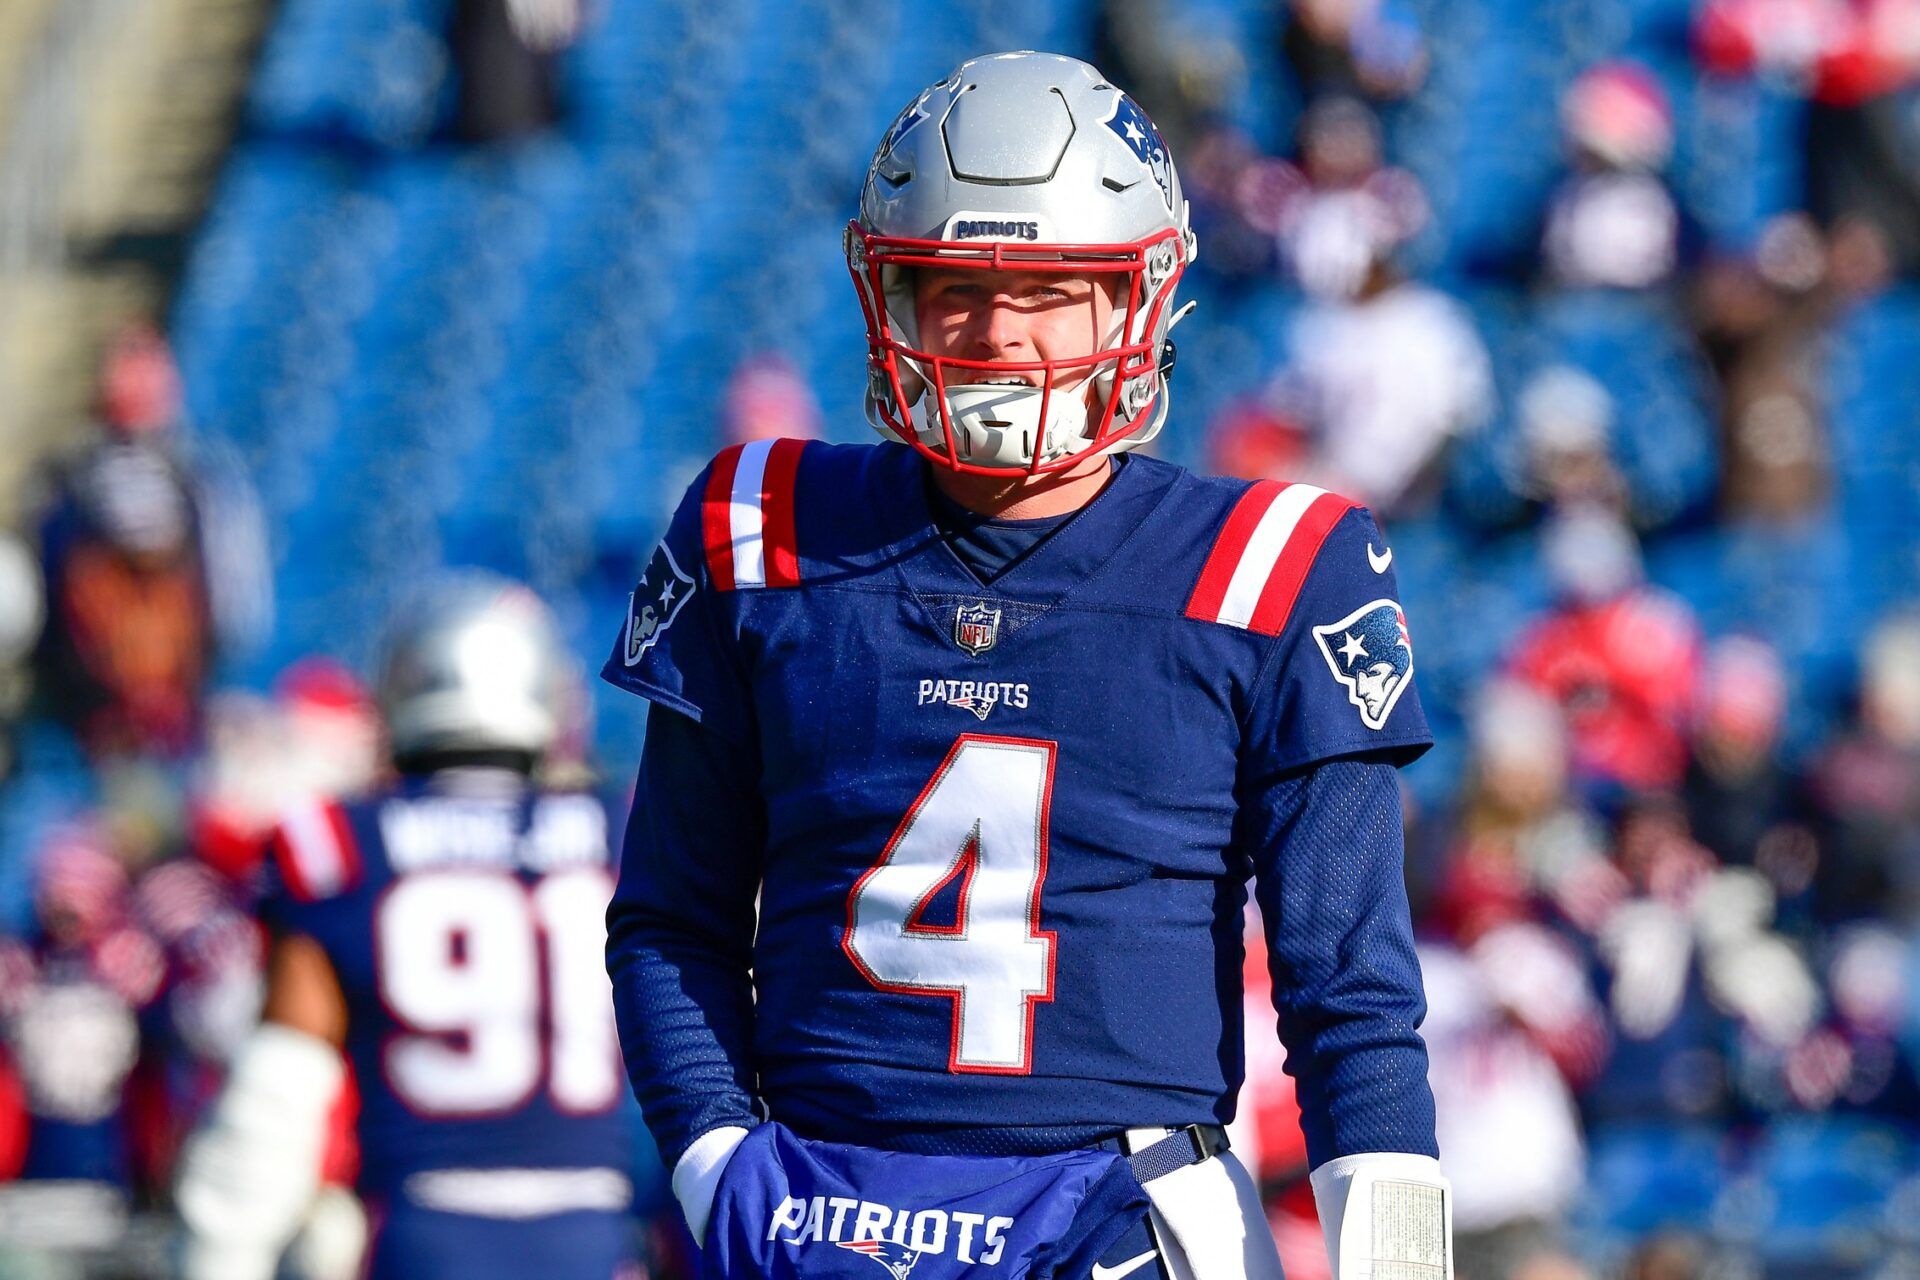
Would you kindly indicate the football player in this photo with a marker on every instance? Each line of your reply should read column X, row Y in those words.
column 446, row 934
column 964, row 747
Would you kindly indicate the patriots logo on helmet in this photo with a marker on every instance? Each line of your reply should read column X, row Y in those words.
column 898, row 1259
column 1370, row 652
column 663, row 591
column 1132, row 127
column 904, row 122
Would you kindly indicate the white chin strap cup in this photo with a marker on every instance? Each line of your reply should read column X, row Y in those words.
column 998, row 425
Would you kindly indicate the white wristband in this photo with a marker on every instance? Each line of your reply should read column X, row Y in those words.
column 698, row 1173
column 1387, row 1214
column 248, row 1175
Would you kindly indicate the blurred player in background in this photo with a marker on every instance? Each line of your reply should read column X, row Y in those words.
column 964, row 747
column 446, row 934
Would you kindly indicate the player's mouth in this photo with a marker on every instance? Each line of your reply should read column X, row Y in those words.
column 1005, row 380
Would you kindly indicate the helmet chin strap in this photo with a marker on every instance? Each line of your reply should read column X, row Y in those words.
column 998, row 425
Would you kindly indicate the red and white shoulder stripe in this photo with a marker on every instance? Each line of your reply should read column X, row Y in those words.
column 746, row 516
column 1261, row 558
column 316, row 851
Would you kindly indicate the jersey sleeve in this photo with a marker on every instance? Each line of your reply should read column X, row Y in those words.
column 676, row 646
column 1328, row 851
column 312, row 859
column 680, row 932
column 1339, row 680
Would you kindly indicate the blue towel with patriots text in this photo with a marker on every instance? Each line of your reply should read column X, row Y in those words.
column 787, row 1208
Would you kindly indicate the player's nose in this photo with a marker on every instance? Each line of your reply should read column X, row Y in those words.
column 1001, row 330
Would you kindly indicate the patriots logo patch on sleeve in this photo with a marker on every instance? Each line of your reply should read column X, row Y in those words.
column 1370, row 652
column 663, row 591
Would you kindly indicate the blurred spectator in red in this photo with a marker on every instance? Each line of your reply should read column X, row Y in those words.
column 1742, row 801
column 1383, row 371
column 1618, row 655
column 1760, row 319
column 1371, row 48
column 1252, row 441
column 1853, row 57
column 1612, row 223
column 1522, row 842
column 1867, row 789
column 768, row 399
column 71, row 995
column 128, row 641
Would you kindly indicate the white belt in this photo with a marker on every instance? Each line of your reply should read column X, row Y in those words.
column 519, row 1193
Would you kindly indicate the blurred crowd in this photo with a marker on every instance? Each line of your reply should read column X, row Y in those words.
column 1672, row 955
column 1672, row 944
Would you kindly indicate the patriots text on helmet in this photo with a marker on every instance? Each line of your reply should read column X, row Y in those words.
column 972, row 229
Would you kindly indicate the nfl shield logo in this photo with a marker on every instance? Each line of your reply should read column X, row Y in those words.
column 975, row 628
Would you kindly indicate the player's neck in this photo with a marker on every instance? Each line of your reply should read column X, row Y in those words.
column 1027, row 497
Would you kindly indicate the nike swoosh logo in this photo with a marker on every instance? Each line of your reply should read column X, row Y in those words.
column 1126, row 1268
column 1379, row 559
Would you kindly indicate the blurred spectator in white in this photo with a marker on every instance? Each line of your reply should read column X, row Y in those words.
column 1690, row 962
column 1867, row 789
column 1612, row 223
column 1508, row 1131
column 22, row 614
column 1341, row 213
column 1371, row 48
column 1618, row 655
column 1742, row 801
column 767, row 398
column 1383, row 372
column 70, row 999
column 1852, row 59
column 1566, row 430
column 1860, row 1059
column 1760, row 318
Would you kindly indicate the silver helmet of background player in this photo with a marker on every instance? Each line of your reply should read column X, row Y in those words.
column 1013, row 160
column 472, row 663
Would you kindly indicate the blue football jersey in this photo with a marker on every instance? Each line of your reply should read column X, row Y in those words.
column 465, row 925
column 1006, row 830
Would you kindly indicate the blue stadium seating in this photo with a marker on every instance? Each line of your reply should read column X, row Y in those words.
column 515, row 356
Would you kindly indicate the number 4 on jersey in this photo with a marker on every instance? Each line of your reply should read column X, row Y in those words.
column 982, row 819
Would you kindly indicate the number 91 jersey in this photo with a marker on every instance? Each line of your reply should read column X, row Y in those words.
column 465, row 925
column 1008, row 826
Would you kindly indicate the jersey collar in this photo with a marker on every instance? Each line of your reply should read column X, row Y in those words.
column 1043, row 578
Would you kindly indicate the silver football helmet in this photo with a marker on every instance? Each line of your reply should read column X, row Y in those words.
column 1026, row 162
column 473, row 663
